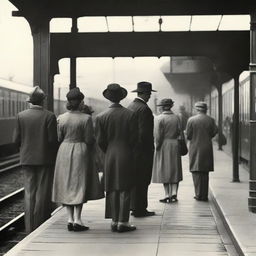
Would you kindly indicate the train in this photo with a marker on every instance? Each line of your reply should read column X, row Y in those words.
column 227, row 113
column 13, row 97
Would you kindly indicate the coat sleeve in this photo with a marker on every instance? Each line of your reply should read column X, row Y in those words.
column 17, row 133
column 144, row 131
column 89, row 133
column 133, row 132
column 158, row 133
column 189, row 130
column 59, row 131
column 52, row 130
column 100, row 135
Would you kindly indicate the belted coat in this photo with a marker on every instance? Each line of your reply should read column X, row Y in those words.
column 116, row 135
column 200, row 130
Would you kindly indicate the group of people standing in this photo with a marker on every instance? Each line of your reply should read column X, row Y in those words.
column 132, row 148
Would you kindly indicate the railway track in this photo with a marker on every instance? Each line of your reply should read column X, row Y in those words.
column 11, row 203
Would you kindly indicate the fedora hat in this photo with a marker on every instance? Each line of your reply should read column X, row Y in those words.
column 114, row 92
column 200, row 105
column 144, row 87
column 37, row 95
column 166, row 102
column 75, row 94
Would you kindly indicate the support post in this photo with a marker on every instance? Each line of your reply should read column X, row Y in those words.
column 220, row 114
column 235, row 131
column 252, row 180
column 73, row 83
column 41, row 40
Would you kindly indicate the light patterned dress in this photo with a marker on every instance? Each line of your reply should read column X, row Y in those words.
column 75, row 179
column 167, row 159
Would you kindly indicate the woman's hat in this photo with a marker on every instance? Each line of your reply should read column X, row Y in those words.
column 37, row 95
column 200, row 105
column 144, row 87
column 75, row 94
column 114, row 92
column 166, row 102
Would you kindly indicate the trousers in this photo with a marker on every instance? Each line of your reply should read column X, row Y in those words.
column 38, row 189
column 201, row 184
column 119, row 205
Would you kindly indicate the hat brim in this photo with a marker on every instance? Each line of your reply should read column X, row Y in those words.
column 144, row 90
column 117, row 95
column 165, row 104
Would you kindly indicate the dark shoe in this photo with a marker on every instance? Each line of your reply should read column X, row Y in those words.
column 114, row 227
column 165, row 200
column 144, row 214
column 70, row 226
column 124, row 228
column 173, row 199
column 197, row 198
column 77, row 227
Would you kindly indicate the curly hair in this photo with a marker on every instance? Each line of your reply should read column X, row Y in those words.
column 73, row 104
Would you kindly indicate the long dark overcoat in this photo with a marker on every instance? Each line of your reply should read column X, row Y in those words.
column 116, row 135
column 145, row 145
column 200, row 130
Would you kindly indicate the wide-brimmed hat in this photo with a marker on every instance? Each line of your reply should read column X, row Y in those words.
column 37, row 95
column 75, row 94
column 144, row 87
column 200, row 105
column 166, row 102
column 114, row 92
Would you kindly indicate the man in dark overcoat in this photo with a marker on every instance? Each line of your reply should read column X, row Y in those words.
column 144, row 149
column 36, row 135
column 200, row 130
column 116, row 134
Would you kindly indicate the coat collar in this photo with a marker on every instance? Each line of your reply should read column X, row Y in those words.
column 140, row 100
column 116, row 105
column 35, row 107
column 167, row 112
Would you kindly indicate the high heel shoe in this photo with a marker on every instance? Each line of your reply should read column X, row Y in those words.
column 173, row 199
column 70, row 226
column 78, row 227
column 165, row 200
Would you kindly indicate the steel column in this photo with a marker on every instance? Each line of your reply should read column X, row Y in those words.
column 235, row 131
column 219, row 88
column 252, row 181
column 41, row 40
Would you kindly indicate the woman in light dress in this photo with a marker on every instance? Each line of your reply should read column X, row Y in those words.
column 167, row 167
column 75, row 180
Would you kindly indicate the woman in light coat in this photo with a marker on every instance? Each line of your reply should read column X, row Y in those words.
column 75, row 179
column 167, row 167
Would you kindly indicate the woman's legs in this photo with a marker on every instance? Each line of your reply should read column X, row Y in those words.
column 70, row 212
column 77, row 214
column 173, row 191
column 166, row 189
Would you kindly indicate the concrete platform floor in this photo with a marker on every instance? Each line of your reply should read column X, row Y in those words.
column 185, row 228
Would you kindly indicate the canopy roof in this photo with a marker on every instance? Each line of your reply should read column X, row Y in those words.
column 78, row 8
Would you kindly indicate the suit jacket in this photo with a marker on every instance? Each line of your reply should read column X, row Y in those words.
column 36, row 135
column 145, row 143
column 200, row 130
column 116, row 134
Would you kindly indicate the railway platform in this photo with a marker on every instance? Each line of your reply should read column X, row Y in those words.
column 185, row 228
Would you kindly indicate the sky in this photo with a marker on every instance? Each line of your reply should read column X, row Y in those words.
column 93, row 74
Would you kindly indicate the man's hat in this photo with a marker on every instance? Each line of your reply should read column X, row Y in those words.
column 114, row 92
column 200, row 105
column 75, row 94
column 166, row 102
column 144, row 87
column 36, row 96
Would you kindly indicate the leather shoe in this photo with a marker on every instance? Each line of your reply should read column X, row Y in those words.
column 165, row 200
column 78, row 227
column 143, row 214
column 114, row 227
column 70, row 226
column 125, row 228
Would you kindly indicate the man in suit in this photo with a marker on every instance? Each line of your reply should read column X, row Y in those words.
column 144, row 150
column 200, row 130
column 116, row 131
column 36, row 135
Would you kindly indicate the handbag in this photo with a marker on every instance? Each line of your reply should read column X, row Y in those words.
column 182, row 143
